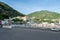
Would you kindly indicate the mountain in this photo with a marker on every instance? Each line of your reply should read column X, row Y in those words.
column 7, row 11
column 45, row 14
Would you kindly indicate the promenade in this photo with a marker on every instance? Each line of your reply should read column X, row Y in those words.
column 27, row 34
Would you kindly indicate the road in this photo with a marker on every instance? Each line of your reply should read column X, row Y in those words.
column 27, row 34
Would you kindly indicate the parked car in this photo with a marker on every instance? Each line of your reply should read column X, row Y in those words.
column 55, row 29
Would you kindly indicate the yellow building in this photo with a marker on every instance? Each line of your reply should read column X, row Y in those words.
column 19, row 17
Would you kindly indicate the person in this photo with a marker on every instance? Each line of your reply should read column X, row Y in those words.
column 0, row 23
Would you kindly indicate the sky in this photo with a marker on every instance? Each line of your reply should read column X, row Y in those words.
column 29, row 6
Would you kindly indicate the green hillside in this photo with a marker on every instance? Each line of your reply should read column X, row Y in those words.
column 7, row 11
column 44, row 14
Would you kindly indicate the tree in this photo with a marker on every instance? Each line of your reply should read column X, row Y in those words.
column 36, row 20
column 3, row 16
column 16, row 20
